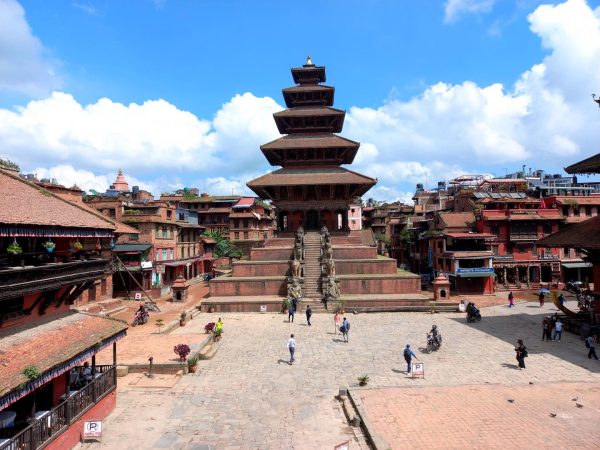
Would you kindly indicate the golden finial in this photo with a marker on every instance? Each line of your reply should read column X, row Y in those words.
column 308, row 61
column 120, row 172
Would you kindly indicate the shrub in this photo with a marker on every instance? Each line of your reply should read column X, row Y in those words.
column 31, row 372
column 209, row 327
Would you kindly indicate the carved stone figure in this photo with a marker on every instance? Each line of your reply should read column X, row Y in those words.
column 331, row 291
column 300, row 234
column 298, row 251
column 296, row 267
column 327, row 251
column 329, row 267
column 324, row 231
column 294, row 290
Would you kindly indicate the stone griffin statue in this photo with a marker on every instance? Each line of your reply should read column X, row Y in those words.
column 300, row 234
column 295, row 267
column 294, row 290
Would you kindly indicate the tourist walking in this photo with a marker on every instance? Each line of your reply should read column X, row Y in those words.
column 291, row 312
column 308, row 314
column 521, row 353
column 408, row 356
column 337, row 320
column 345, row 329
column 511, row 299
column 291, row 347
column 590, row 343
column 546, row 329
column 561, row 300
column 541, row 299
column 558, row 327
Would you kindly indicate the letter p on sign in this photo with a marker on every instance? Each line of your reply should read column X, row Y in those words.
column 92, row 429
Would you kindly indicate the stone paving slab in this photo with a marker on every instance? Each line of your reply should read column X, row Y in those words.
column 248, row 396
column 484, row 416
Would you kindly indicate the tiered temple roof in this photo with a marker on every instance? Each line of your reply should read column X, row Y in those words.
column 310, row 154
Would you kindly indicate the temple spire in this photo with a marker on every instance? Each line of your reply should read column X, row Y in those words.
column 309, row 63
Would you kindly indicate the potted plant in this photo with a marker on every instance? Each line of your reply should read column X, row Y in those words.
column 217, row 332
column 49, row 246
column 14, row 248
column 182, row 350
column 209, row 327
column 182, row 318
column 77, row 245
column 193, row 364
column 285, row 305
column 363, row 380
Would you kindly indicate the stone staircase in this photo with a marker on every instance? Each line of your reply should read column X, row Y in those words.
column 312, row 265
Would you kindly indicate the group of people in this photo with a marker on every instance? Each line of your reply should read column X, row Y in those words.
column 343, row 325
column 552, row 328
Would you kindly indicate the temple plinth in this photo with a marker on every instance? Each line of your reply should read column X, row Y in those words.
column 311, row 189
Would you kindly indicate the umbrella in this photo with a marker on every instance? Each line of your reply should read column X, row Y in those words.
column 544, row 291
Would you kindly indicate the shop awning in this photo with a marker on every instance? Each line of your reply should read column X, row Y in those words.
column 576, row 265
column 53, row 348
column 131, row 248
column 475, row 274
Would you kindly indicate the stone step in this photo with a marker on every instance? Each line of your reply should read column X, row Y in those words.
column 207, row 352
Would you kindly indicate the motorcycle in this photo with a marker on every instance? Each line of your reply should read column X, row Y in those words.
column 140, row 318
column 433, row 343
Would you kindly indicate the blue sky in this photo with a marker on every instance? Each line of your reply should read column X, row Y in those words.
column 181, row 93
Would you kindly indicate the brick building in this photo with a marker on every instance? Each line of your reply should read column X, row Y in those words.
column 51, row 251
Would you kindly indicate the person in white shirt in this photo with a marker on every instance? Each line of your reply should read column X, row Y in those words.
column 558, row 327
column 291, row 347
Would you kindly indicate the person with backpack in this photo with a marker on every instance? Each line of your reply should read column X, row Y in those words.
column 590, row 343
column 521, row 353
column 345, row 329
column 408, row 356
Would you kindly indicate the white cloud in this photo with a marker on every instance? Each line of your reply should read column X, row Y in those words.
column 142, row 138
column 453, row 9
column 545, row 119
column 87, row 8
column 24, row 64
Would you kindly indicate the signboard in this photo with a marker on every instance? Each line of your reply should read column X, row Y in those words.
column 146, row 264
column 342, row 446
column 263, row 308
column 417, row 369
column 160, row 268
column 475, row 270
column 92, row 429
column 138, row 296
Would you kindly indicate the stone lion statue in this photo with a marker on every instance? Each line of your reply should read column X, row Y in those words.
column 296, row 267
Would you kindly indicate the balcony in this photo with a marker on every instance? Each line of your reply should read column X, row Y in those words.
column 523, row 236
column 22, row 280
column 40, row 432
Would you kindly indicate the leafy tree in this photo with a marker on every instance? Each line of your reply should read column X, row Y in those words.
column 223, row 246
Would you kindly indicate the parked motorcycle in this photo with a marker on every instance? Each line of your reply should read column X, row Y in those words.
column 433, row 343
column 473, row 315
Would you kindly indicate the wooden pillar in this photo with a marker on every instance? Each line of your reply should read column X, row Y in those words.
column 94, row 391
column 115, row 362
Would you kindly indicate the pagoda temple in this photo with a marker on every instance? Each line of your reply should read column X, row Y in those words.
column 311, row 189
column 315, row 257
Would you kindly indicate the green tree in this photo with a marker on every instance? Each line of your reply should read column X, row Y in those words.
column 223, row 246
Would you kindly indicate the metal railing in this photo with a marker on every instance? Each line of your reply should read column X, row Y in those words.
column 43, row 430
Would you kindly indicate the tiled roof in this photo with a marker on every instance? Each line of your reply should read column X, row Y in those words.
column 310, row 112
column 316, row 176
column 589, row 165
column 132, row 247
column 23, row 203
column 244, row 215
column 578, row 200
column 310, row 88
column 302, row 141
column 245, row 202
column 50, row 344
column 456, row 220
column 581, row 235
column 215, row 210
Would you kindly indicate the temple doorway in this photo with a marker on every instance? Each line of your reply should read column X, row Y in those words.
column 312, row 220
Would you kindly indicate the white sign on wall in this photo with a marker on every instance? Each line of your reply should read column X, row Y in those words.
column 92, row 429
